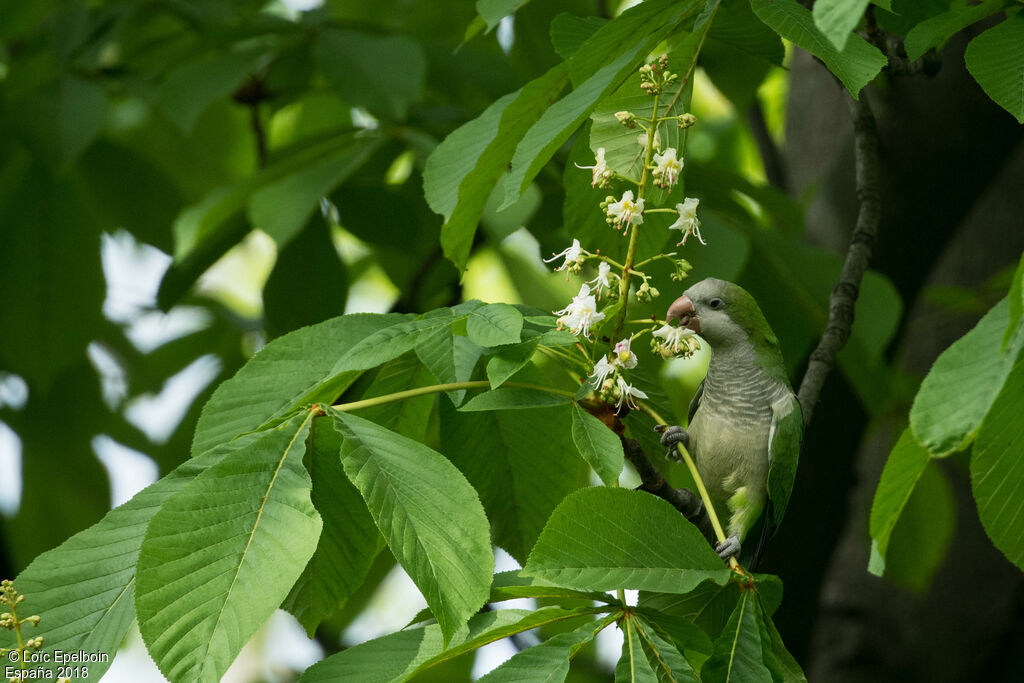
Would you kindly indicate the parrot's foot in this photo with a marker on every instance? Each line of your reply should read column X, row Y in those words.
column 670, row 436
column 730, row 547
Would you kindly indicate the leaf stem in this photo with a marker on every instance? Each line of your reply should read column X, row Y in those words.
column 436, row 389
column 701, row 488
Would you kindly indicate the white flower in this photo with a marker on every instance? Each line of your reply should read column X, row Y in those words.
column 667, row 168
column 581, row 314
column 599, row 170
column 573, row 256
column 602, row 369
column 626, row 211
column 688, row 222
column 622, row 356
column 674, row 337
column 601, row 280
column 626, row 394
column 642, row 140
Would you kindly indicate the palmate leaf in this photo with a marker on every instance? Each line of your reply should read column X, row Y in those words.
column 962, row 384
column 464, row 168
column 903, row 469
column 285, row 371
column 739, row 651
column 429, row 515
column 667, row 662
column 221, row 555
column 514, row 398
column 855, row 65
column 598, row 445
column 349, row 541
column 836, row 18
column 85, row 588
column 1015, row 300
column 997, row 469
column 399, row 656
column 996, row 61
column 935, row 31
column 494, row 325
column 549, row 661
column 522, row 463
column 606, row 539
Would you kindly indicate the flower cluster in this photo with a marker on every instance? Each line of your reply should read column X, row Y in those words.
column 671, row 341
column 662, row 168
column 10, row 597
column 608, row 380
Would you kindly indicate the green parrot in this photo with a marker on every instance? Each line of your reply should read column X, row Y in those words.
column 745, row 424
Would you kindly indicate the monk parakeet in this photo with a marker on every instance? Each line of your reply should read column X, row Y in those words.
column 745, row 424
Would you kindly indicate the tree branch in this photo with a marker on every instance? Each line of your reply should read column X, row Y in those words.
column 844, row 296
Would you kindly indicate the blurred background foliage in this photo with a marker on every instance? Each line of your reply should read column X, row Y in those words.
column 181, row 181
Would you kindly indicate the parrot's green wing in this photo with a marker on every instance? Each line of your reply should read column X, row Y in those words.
column 784, row 439
column 694, row 403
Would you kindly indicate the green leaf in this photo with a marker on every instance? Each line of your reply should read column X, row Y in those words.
column 598, row 445
column 598, row 67
column 996, row 61
column 855, row 65
column 428, row 513
column 398, row 656
column 1015, row 300
column 688, row 638
column 515, row 398
column 633, row 666
column 922, row 536
column 528, row 469
column 190, row 88
column 384, row 74
column 997, row 469
column 493, row 11
column 549, row 661
column 291, row 302
column 206, row 230
column 510, row 360
column 390, row 342
column 281, row 208
column 569, row 32
column 462, row 171
column 708, row 605
column 449, row 358
column 962, row 384
column 512, row 585
column 349, row 542
column 85, row 588
column 409, row 417
column 736, row 26
column 935, row 31
column 221, row 555
column 285, row 371
column 495, row 325
column 50, row 292
column 606, row 539
column 739, row 654
column 782, row 665
column 837, row 18
column 906, row 463
column 664, row 658
column 61, row 120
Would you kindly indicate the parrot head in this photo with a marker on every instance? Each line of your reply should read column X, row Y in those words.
column 722, row 313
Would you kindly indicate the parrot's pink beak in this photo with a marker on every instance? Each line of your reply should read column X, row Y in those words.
column 682, row 310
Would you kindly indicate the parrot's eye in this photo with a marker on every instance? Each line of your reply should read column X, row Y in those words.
column 715, row 304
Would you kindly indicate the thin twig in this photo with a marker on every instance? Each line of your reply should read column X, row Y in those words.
column 844, row 295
